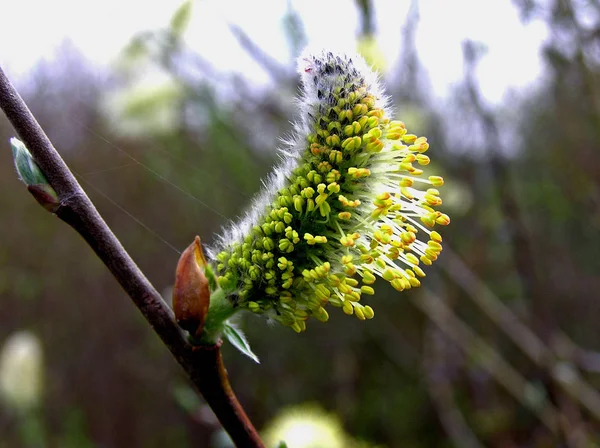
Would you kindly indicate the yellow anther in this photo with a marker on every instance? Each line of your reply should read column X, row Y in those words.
column 373, row 122
column 409, row 138
column 254, row 307
column 358, row 312
column 348, row 308
column 308, row 192
column 397, row 284
column 443, row 220
column 333, row 141
column 393, row 253
column 422, row 159
column 379, row 113
column 298, row 203
column 336, row 157
column 348, row 144
column 368, row 278
column 412, row 259
column 350, row 269
column 428, row 220
column 418, row 271
column 368, row 100
column 434, row 245
column 414, row 282
column 432, row 200
column 436, row 181
column 346, row 242
column 419, row 145
column 333, row 187
column 406, row 166
column 388, row 275
column 351, row 282
column 367, row 290
column 375, row 146
column 321, row 314
column 408, row 237
column 435, row 236
column 359, row 109
column 406, row 182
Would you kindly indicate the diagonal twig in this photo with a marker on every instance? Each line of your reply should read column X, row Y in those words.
column 204, row 365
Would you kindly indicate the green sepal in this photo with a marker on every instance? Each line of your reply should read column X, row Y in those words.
column 237, row 338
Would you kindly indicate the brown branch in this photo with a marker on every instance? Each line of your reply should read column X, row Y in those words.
column 203, row 365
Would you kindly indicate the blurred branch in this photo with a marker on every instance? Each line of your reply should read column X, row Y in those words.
column 488, row 358
column 522, row 251
column 525, row 339
column 204, row 365
column 410, row 86
column 583, row 38
column 367, row 24
column 495, row 309
column 279, row 74
column 440, row 390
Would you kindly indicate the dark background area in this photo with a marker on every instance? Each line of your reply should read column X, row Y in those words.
column 501, row 345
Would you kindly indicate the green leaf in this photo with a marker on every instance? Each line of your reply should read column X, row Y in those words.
column 239, row 341
column 181, row 18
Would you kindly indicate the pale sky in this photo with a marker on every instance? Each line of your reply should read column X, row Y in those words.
column 35, row 29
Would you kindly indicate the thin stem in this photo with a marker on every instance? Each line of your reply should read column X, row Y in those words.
column 204, row 366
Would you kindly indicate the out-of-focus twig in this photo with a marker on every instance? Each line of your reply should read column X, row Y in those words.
column 525, row 339
column 487, row 357
column 494, row 308
column 522, row 252
column 440, row 390
column 367, row 24
column 203, row 365
column 279, row 74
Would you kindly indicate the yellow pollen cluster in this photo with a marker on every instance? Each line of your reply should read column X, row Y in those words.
column 348, row 213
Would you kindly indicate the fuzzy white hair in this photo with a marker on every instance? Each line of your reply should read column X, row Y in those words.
column 321, row 72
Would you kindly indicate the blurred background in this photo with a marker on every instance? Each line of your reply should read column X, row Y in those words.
column 170, row 115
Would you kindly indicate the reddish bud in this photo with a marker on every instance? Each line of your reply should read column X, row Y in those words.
column 191, row 293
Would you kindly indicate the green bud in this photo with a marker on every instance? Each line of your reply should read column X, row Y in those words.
column 31, row 174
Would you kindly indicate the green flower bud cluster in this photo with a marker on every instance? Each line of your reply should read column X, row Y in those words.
column 342, row 211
